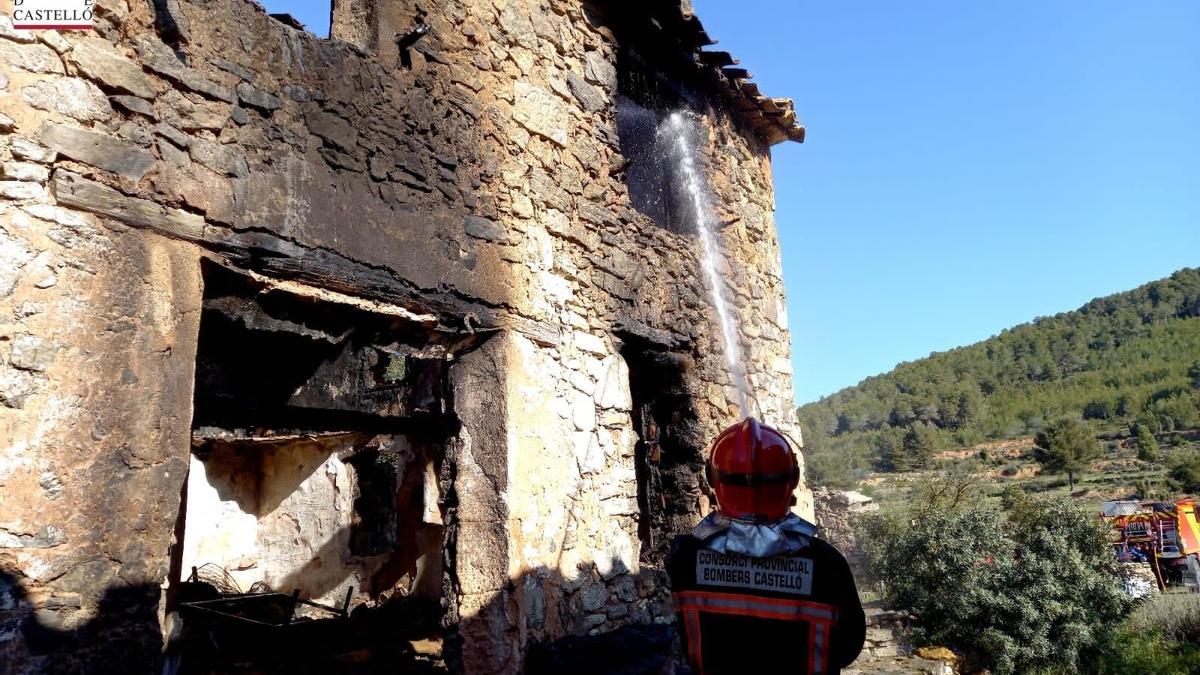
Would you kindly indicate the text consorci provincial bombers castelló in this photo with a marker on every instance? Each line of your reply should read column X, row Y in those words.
column 781, row 575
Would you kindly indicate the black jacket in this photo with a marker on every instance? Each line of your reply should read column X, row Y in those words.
column 794, row 613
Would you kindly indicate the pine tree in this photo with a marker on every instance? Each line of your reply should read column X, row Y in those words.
column 1147, row 444
column 919, row 444
column 1066, row 446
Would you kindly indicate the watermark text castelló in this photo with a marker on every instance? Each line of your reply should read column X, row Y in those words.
column 52, row 14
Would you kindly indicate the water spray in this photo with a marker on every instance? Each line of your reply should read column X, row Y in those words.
column 679, row 132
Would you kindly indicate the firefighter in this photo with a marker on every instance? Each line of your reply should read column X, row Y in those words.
column 755, row 590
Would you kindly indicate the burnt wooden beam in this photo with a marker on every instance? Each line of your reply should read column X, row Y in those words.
column 265, row 252
column 717, row 59
column 736, row 73
column 310, row 421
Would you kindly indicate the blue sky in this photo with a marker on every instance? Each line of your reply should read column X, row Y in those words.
column 969, row 165
column 314, row 14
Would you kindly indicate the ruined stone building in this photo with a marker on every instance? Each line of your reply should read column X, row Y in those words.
column 410, row 313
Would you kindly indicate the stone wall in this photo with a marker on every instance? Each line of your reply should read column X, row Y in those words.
column 888, row 649
column 836, row 512
column 472, row 182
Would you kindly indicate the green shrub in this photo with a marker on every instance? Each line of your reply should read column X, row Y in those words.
column 1131, row 652
column 1176, row 617
column 1031, row 589
column 1147, row 448
column 1099, row 410
column 1161, row 636
column 1012, row 495
column 1185, row 472
column 829, row 469
column 1150, row 489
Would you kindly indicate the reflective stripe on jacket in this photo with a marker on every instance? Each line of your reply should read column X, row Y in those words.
column 795, row 613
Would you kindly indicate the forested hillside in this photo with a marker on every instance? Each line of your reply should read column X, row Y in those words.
column 1118, row 360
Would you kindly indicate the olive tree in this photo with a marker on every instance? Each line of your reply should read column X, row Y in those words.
column 1036, row 588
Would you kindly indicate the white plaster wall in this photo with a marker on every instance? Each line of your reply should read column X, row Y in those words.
column 300, row 537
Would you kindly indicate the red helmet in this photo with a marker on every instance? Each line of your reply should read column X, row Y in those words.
column 753, row 470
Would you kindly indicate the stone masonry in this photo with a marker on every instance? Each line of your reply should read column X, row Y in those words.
column 472, row 183
column 836, row 512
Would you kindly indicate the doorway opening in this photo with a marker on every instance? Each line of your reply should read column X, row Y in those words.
column 669, row 452
column 316, row 471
